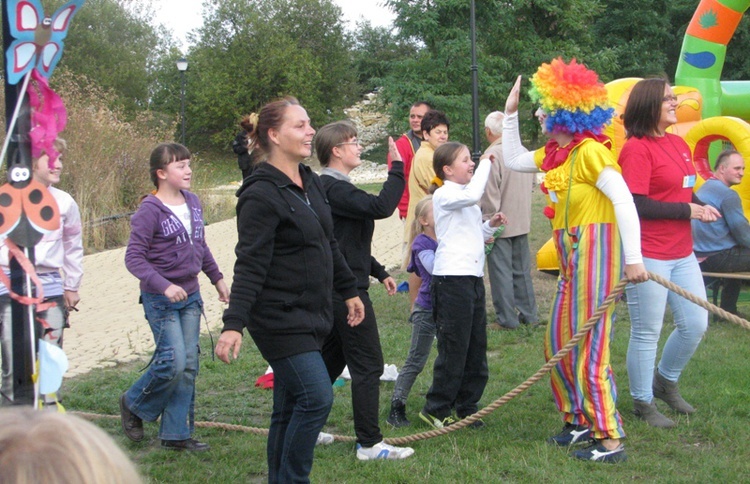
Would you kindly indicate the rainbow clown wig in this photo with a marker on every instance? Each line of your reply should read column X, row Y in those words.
column 573, row 97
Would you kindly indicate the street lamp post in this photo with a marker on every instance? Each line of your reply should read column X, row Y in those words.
column 477, row 151
column 182, row 65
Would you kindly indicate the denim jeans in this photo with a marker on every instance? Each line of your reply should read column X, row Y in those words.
column 460, row 372
column 422, row 336
column 55, row 318
column 302, row 399
column 167, row 388
column 646, row 304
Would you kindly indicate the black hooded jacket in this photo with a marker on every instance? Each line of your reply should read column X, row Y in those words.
column 288, row 264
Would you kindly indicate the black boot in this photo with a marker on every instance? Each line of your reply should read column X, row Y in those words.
column 397, row 417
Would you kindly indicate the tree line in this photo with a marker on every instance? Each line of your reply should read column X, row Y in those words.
column 248, row 52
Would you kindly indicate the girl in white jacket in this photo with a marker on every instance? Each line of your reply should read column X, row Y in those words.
column 460, row 371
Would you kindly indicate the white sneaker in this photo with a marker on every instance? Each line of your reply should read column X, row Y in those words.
column 383, row 451
column 324, row 439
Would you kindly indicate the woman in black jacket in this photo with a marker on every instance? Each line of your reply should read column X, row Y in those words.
column 354, row 214
column 288, row 266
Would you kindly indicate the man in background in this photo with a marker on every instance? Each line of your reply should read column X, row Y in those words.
column 509, row 261
column 724, row 245
column 407, row 145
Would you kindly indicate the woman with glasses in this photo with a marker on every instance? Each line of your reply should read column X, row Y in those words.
column 354, row 214
column 658, row 168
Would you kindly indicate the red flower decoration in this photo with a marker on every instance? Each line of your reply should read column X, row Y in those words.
column 549, row 212
column 543, row 187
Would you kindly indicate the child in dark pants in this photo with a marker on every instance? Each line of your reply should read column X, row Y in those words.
column 460, row 371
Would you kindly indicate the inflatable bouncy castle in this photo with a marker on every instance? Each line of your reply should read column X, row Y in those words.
column 712, row 114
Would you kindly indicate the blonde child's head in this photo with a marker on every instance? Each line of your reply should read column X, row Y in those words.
column 48, row 171
column 50, row 447
column 422, row 220
column 163, row 155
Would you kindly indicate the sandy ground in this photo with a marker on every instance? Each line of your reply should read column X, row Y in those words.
column 110, row 327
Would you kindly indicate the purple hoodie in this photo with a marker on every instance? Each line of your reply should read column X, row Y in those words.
column 161, row 253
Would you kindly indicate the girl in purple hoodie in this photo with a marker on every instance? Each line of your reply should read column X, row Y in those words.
column 166, row 252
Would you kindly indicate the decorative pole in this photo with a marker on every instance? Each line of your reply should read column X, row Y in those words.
column 477, row 142
column 21, row 391
column 35, row 114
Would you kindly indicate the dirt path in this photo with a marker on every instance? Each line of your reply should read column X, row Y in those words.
column 110, row 327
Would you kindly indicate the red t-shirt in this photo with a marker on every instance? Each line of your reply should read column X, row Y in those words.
column 404, row 146
column 656, row 167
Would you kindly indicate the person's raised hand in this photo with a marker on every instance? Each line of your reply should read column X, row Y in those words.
column 393, row 150
column 511, row 104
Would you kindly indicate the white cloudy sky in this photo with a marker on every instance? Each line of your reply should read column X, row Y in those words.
column 182, row 16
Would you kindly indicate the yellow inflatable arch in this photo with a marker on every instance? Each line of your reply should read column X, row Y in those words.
column 720, row 128
column 698, row 133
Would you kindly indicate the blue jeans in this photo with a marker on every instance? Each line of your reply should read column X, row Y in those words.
column 302, row 399
column 646, row 304
column 422, row 335
column 168, row 386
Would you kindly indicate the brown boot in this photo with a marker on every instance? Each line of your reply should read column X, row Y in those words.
column 652, row 416
column 667, row 391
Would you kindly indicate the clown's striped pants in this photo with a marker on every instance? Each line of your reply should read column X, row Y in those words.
column 591, row 264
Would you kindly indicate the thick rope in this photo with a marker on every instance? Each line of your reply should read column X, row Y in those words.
column 572, row 343
column 700, row 302
column 593, row 320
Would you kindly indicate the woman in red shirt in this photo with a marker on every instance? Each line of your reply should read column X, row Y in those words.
column 658, row 168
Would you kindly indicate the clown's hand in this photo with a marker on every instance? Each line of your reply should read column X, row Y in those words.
column 511, row 104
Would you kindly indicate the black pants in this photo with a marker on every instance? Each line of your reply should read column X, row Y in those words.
column 460, row 372
column 359, row 348
column 736, row 259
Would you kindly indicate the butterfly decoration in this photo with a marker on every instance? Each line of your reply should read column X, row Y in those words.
column 38, row 39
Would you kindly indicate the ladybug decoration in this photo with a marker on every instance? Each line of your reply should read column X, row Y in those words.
column 27, row 209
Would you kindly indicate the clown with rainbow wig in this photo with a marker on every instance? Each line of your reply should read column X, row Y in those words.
column 597, row 237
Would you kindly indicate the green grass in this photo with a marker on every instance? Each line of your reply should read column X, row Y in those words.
column 705, row 447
